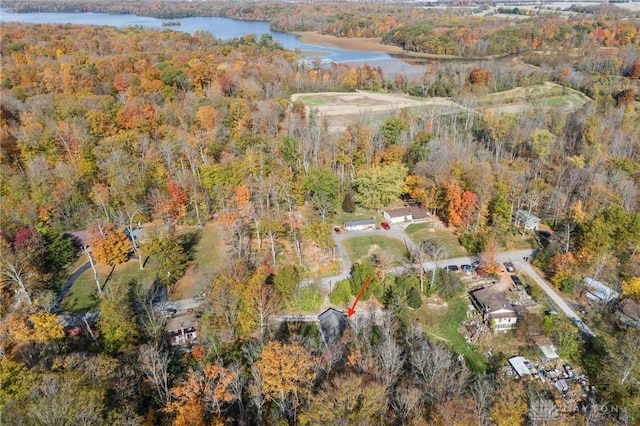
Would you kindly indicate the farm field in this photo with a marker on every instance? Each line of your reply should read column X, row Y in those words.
column 339, row 109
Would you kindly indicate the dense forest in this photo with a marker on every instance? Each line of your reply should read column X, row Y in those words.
column 103, row 129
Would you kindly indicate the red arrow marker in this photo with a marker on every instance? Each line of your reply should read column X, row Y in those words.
column 352, row 309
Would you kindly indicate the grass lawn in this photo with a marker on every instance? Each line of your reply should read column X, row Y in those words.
column 441, row 324
column 83, row 295
column 208, row 256
column 420, row 232
column 392, row 250
column 340, row 218
column 314, row 100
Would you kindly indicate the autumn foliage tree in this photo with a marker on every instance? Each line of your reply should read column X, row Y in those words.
column 110, row 246
column 631, row 288
column 287, row 371
column 460, row 204
column 201, row 398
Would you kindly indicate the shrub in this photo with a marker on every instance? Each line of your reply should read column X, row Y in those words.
column 305, row 298
column 341, row 293
column 413, row 298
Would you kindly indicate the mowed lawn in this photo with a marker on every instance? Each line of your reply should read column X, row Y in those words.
column 391, row 250
column 441, row 326
column 420, row 232
column 208, row 254
column 83, row 295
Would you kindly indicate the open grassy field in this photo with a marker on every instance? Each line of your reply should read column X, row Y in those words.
column 420, row 232
column 391, row 250
column 441, row 325
column 545, row 95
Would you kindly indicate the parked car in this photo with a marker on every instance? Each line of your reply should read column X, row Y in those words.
column 509, row 266
column 453, row 267
column 385, row 226
column 336, row 230
column 466, row 267
column 476, row 264
column 516, row 280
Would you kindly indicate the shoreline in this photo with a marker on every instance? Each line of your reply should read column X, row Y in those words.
column 371, row 44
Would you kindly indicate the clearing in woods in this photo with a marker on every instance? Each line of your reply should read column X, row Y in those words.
column 340, row 109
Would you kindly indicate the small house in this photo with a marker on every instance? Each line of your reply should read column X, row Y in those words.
column 405, row 214
column 599, row 292
column 527, row 220
column 181, row 330
column 360, row 225
column 494, row 308
column 332, row 323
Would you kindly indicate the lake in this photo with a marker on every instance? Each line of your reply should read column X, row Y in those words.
column 223, row 28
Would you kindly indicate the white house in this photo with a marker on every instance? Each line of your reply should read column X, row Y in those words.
column 495, row 308
column 599, row 292
column 527, row 220
column 405, row 214
column 360, row 225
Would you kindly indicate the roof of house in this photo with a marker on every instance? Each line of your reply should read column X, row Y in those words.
column 179, row 322
column 413, row 211
column 517, row 363
column 82, row 236
column 360, row 222
column 599, row 291
column 526, row 215
column 520, row 310
column 630, row 309
column 492, row 300
column 332, row 324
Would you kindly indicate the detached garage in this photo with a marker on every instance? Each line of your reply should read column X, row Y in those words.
column 360, row 225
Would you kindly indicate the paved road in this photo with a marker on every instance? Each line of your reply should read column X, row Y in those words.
column 555, row 297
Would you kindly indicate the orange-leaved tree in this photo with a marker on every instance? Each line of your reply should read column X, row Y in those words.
column 110, row 246
column 287, row 372
column 204, row 391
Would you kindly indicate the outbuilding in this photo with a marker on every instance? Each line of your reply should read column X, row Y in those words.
column 599, row 292
column 519, row 366
column 527, row 220
column 360, row 225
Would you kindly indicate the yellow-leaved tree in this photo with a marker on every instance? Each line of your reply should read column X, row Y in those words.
column 631, row 288
column 287, row 372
